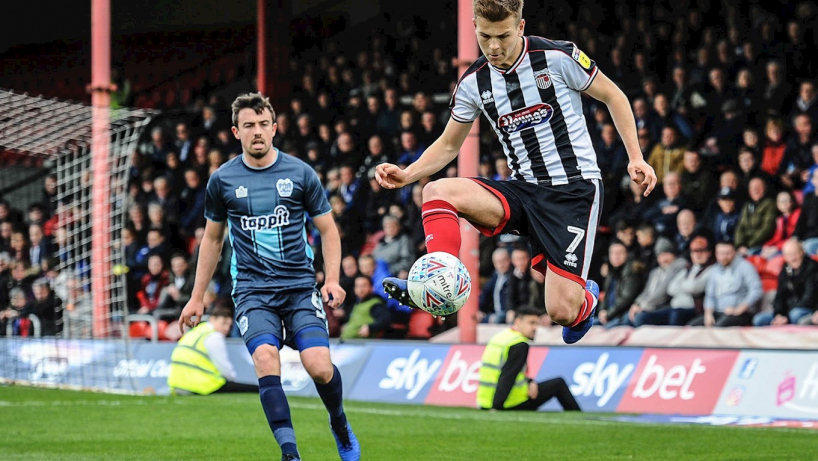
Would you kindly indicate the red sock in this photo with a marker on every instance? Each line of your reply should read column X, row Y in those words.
column 442, row 227
column 585, row 310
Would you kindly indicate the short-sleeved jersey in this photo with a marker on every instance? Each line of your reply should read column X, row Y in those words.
column 266, row 210
column 535, row 108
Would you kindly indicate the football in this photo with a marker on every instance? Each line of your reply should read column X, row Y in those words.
column 439, row 283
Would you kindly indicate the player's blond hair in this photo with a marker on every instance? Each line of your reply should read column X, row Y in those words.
column 256, row 101
column 498, row 10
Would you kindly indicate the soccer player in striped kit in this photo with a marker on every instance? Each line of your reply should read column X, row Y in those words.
column 529, row 88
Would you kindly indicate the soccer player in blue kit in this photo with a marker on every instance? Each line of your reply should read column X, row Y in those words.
column 263, row 198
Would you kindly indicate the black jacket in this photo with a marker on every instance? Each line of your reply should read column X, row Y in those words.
column 627, row 281
column 796, row 288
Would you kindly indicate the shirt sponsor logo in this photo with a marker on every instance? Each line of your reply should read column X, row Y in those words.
column 527, row 117
column 280, row 217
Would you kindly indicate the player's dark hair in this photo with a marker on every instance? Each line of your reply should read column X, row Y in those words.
column 221, row 311
column 523, row 311
column 255, row 101
column 498, row 10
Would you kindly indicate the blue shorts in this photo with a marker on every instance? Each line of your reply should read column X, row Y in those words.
column 295, row 318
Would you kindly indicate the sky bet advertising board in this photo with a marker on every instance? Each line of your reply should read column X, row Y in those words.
column 399, row 374
column 596, row 376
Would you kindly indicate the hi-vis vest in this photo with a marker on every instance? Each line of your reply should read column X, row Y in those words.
column 494, row 357
column 190, row 365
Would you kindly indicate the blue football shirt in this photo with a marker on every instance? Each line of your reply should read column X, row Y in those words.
column 266, row 210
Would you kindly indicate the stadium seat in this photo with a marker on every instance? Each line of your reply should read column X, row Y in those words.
column 420, row 325
column 371, row 242
column 139, row 330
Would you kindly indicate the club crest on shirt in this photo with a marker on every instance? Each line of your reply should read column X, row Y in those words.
column 543, row 79
column 285, row 187
column 241, row 192
column 526, row 117
column 581, row 58
column 487, row 97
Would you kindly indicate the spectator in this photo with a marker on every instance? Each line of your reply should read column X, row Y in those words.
column 807, row 228
column 395, row 248
column 612, row 157
column 369, row 316
column 698, row 183
column 344, row 152
column 18, row 247
column 725, row 221
column 47, row 307
column 810, row 172
column 686, row 289
column 352, row 189
column 686, row 228
column 179, row 289
column 14, row 313
column 795, row 298
column 79, row 310
column 798, row 153
column 375, row 155
column 494, row 294
column 166, row 199
column 807, row 102
column 774, row 147
column 785, row 223
column 191, row 203
column 518, row 286
column 152, row 284
column 668, row 117
column 40, row 249
column 175, row 176
column 410, row 149
column 155, row 246
column 626, row 235
column 183, row 142
column 748, row 169
column 667, row 156
column 646, row 118
column 663, row 213
column 5, row 278
column 624, row 280
column 646, row 239
column 349, row 272
column 732, row 292
column 655, row 294
column 757, row 222
column 777, row 91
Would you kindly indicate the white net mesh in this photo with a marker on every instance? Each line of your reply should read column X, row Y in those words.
column 58, row 135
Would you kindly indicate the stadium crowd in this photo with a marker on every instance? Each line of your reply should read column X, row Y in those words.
column 726, row 110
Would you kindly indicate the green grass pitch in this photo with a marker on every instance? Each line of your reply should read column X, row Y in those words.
column 43, row 424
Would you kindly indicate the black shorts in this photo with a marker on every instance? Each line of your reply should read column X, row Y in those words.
column 560, row 221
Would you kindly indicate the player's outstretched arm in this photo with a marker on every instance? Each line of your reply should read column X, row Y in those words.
column 433, row 159
column 210, row 251
column 603, row 89
column 331, row 248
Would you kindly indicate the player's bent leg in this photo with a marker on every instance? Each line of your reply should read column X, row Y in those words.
column 266, row 360
column 444, row 201
column 570, row 303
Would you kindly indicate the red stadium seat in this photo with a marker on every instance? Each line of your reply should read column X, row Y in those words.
column 420, row 325
column 139, row 330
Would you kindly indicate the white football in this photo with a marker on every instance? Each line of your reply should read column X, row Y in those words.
column 439, row 283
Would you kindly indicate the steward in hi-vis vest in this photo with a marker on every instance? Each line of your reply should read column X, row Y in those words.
column 503, row 381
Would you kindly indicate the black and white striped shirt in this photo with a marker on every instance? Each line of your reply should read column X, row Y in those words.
column 535, row 108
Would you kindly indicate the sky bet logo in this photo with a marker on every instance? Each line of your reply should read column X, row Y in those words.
column 279, row 217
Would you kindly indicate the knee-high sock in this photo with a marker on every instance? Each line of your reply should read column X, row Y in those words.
column 332, row 394
column 585, row 310
column 442, row 227
column 277, row 410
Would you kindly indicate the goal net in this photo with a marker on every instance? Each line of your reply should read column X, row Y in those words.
column 88, row 333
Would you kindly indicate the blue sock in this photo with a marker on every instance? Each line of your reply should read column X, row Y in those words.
column 277, row 410
column 332, row 394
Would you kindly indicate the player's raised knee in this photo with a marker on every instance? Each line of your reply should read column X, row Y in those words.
column 439, row 190
column 563, row 311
